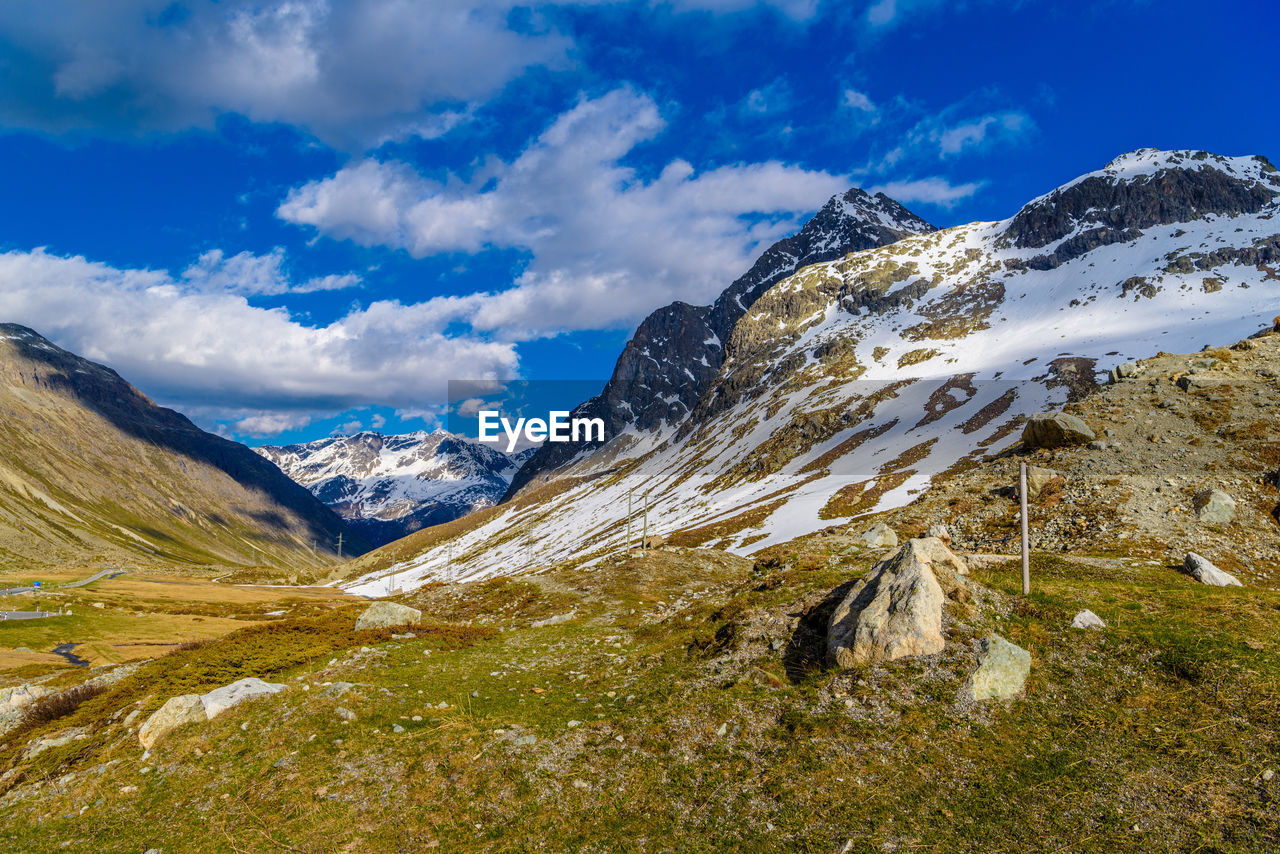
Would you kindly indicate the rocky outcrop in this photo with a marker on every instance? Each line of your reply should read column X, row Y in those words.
column 219, row 700
column 896, row 611
column 1204, row 571
column 1055, row 430
column 1002, row 670
column 388, row 615
column 177, row 711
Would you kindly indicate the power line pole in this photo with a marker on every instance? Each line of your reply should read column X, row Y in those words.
column 644, row 537
column 627, row 547
column 339, row 545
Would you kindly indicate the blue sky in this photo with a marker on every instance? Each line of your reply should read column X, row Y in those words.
column 286, row 219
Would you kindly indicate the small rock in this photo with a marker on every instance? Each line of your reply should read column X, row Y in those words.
column 581, row 784
column 1214, row 506
column 128, row 790
column 345, row 714
column 942, row 532
column 1268, row 775
column 572, row 724
column 525, row 740
column 388, row 615
column 219, row 700
column 1038, row 479
column 1086, row 619
column 554, row 621
column 1203, row 570
column 397, row 728
column 337, row 689
column 1002, row 670
column 879, row 536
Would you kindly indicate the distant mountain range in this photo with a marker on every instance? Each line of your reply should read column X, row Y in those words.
column 93, row 472
column 872, row 354
column 390, row 486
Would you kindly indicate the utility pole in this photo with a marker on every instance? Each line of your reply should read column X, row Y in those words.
column 1026, row 543
column 627, row 547
column 339, row 545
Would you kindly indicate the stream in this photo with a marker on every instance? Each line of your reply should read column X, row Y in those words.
column 65, row 651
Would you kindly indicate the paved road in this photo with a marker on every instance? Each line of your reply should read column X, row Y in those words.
column 106, row 573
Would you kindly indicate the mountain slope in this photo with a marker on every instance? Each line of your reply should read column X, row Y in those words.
column 849, row 386
column 390, row 486
column 676, row 352
column 91, row 471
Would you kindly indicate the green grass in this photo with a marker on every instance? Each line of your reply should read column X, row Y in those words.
column 1164, row 721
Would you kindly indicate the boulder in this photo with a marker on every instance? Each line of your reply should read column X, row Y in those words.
column 219, row 700
column 21, row 696
column 879, row 536
column 1124, row 371
column 1002, row 670
column 1086, row 619
column 1214, row 506
column 1039, row 478
column 896, row 610
column 1203, row 570
column 939, row 531
column 1056, row 430
column 178, row 711
column 388, row 615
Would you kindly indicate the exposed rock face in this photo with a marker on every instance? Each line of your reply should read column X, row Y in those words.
column 1204, row 571
column 1002, row 670
column 1086, row 619
column 177, row 711
column 879, row 536
column 896, row 611
column 219, row 700
column 1136, row 191
column 387, row 615
column 677, row 351
column 1214, row 506
column 1056, row 430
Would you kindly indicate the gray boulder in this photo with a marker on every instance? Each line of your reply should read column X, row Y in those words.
column 1038, row 478
column 896, row 610
column 1203, row 570
column 1086, row 619
column 1214, row 506
column 940, row 531
column 388, row 615
column 879, row 536
column 1056, row 430
column 219, row 700
column 178, row 711
column 1002, row 670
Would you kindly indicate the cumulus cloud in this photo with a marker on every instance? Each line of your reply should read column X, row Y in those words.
column 932, row 191
column 855, row 100
column 353, row 72
column 196, row 348
column 981, row 132
column 607, row 245
column 256, row 275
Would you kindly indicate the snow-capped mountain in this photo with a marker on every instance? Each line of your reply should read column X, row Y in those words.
column 676, row 352
column 851, row 385
column 389, row 486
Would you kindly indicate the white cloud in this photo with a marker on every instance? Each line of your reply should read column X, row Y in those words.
column 855, row 100
column 353, row 72
column 194, row 348
column 256, row 275
column 797, row 10
column 334, row 282
column 378, row 421
column 932, row 191
column 978, row 133
column 608, row 246
column 266, row 424
column 774, row 98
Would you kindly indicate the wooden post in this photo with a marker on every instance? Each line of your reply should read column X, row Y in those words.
column 644, row 537
column 627, row 547
column 1026, row 543
column 339, row 546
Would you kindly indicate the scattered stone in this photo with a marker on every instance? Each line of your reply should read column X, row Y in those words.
column 346, row 714
column 1039, row 479
column 1214, row 506
column 176, row 712
column 1056, row 430
column 1268, row 775
column 573, row 724
column 581, row 784
column 1124, row 371
column 219, row 700
column 1002, row 670
column 554, row 621
column 397, row 728
column 21, row 696
column 525, row 740
column 1086, row 619
column 128, row 790
column 940, row 531
column 879, row 536
column 388, row 615
column 896, row 610
column 1203, row 570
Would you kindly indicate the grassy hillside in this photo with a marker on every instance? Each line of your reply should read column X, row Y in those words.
column 681, row 702
column 93, row 474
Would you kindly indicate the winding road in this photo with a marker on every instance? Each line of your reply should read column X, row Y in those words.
column 106, row 573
